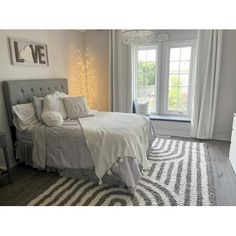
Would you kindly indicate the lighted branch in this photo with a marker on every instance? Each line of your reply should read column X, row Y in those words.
column 83, row 79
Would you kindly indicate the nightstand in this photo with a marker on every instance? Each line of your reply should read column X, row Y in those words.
column 3, row 145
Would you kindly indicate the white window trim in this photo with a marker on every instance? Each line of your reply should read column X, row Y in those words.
column 135, row 49
column 167, row 46
column 162, row 73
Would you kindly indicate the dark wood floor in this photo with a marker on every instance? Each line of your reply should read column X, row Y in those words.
column 29, row 183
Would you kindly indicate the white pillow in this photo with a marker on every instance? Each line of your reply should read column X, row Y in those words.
column 24, row 116
column 76, row 107
column 51, row 118
column 53, row 102
column 58, row 94
column 141, row 107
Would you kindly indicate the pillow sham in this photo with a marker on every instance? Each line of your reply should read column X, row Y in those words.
column 76, row 107
column 38, row 106
column 24, row 116
column 53, row 103
column 51, row 118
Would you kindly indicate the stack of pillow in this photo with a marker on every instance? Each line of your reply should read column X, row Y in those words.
column 52, row 110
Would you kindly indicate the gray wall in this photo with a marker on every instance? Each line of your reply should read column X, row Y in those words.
column 97, row 40
column 60, row 46
column 227, row 87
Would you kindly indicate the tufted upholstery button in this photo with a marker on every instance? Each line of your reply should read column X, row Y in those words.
column 41, row 89
column 22, row 90
column 62, row 87
column 56, row 87
column 32, row 90
column 48, row 88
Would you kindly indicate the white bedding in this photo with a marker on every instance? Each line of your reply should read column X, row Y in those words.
column 96, row 143
column 110, row 136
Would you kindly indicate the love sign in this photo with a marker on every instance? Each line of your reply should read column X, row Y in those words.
column 24, row 52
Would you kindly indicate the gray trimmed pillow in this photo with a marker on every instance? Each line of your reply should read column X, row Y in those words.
column 76, row 107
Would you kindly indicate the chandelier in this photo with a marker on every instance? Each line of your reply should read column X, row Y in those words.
column 137, row 36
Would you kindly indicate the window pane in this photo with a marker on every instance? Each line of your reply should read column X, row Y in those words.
column 173, row 80
column 147, row 55
column 174, row 67
column 184, row 66
column 183, row 80
column 174, row 54
column 185, row 53
column 183, row 99
column 146, row 77
column 179, row 75
column 173, row 98
column 177, row 100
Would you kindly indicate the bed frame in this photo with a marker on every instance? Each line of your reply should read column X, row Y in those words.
column 22, row 91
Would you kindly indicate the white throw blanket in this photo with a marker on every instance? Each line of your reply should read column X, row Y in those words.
column 110, row 136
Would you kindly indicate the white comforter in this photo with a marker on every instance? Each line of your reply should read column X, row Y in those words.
column 111, row 136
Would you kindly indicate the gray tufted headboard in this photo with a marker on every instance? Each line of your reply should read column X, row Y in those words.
column 22, row 91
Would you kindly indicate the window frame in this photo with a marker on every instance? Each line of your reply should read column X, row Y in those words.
column 162, row 73
column 167, row 47
column 135, row 50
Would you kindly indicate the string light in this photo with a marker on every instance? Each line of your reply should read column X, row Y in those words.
column 82, row 78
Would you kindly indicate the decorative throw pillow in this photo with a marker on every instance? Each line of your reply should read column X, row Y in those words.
column 38, row 106
column 51, row 118
column 24, row 116
column 141, row 107
column 53, row 102
column 76, row 107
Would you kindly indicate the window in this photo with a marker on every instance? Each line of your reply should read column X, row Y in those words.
column 164, row 79
column 178, row 95
column 146, row 73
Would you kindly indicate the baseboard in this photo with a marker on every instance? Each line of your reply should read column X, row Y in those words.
column 173, row 133
column 222, row 137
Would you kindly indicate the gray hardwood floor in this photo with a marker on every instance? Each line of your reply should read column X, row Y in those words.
column 29, row 183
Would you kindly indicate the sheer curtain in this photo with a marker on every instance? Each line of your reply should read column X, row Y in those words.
column 120, row 73
column 206, row 83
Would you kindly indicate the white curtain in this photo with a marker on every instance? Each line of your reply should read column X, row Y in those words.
column 120, row 75
column 206, row 83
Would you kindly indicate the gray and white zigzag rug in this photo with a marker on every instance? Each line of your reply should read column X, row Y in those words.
column 180, row 175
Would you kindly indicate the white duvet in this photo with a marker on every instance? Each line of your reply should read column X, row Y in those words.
column 110, row 136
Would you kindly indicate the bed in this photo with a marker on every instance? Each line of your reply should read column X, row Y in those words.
column 66, row 147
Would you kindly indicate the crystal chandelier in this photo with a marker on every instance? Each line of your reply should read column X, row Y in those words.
column 137, row 36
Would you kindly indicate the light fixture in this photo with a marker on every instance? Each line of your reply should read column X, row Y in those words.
column 162, row 36
column 137, row 36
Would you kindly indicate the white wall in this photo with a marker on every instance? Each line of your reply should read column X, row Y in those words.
column 60, row 45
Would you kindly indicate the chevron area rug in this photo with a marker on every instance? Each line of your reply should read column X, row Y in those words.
column 180, row 175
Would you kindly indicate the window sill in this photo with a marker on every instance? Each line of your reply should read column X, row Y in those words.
column 170, row 118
